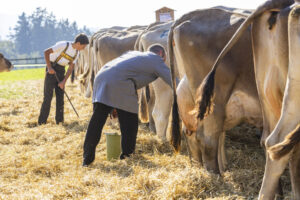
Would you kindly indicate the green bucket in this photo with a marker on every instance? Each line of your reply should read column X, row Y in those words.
column 113, row 146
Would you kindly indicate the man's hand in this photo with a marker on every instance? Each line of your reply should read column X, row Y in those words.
column 62, row 84
column 113, row 114
column 51, row 70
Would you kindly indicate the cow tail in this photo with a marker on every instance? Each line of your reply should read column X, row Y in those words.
column 175, row 121
column 143, row 106
column 206, row 90
column 279, row 150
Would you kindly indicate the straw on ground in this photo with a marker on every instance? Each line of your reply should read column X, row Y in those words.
column 44, row 162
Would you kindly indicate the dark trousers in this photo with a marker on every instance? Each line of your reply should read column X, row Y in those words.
column 51, row 84
column 128, row 125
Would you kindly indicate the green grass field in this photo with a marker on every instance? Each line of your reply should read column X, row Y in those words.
column 14, row 83
column 21, row 75
column 29, row 65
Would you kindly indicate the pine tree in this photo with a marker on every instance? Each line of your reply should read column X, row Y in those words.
column 22, row 36
column 41, row 30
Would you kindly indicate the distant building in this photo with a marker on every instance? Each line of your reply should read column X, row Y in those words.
column 164, row 14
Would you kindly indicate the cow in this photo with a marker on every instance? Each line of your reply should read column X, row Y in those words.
column 105, row 45
column 81, row 69
column 85, row 62
column 195, row 40
column 82, row 63
column 5, row 64
column 114, row 43
column 160, row 92
column 275, row 44
column 146, row 95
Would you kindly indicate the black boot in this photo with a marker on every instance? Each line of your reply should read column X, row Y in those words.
column 123, row 156
column 88, row 158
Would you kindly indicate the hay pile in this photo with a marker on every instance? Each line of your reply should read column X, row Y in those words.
column 44, row 162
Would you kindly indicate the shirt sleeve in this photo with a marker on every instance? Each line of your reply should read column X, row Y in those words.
column 59, row 46
column 164, row 73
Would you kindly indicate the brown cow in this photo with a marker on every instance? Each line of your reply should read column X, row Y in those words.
column 86, row 61
column 276, row 45
column 5, row 65
column 106, row 45
column 161, row 93
column 196, row 39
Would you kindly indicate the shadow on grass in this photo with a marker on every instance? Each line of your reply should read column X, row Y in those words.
column 31, row 124
column 13, row 112
column 124, row 168
column 75, row 126
column 5, row 128
column 153, row 147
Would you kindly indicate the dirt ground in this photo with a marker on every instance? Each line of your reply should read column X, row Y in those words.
column 44, row 162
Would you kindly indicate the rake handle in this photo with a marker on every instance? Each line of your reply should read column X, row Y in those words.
column 67, row 96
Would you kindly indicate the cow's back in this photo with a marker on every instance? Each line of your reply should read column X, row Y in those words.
column 198, row 41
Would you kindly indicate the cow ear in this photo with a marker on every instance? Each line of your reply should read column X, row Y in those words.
column 1, row 55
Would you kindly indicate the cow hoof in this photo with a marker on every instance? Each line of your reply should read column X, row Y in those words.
column 152, row 128
column 163, row 139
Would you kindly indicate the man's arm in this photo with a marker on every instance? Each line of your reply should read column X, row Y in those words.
column 164, row 72
column 47, row 53
column 63, row 82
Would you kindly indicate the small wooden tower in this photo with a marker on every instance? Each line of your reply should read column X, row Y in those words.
column 164, row 14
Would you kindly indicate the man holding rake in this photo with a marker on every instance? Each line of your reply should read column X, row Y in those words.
column 57, row 57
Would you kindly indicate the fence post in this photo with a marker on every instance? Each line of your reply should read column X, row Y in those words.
column 26, row 60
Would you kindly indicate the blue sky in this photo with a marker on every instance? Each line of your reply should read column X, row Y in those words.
column 100, row 14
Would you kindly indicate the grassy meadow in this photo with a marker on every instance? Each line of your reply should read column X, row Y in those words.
column 44, row 162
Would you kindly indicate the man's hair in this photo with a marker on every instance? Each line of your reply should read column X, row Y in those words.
column 82, row 38
column 157, row 48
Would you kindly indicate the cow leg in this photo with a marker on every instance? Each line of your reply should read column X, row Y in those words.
column 151, row 104
column 186, row 105
column 270, row 185
column 292, row 98
column 271, row 106
column 160, row 116
column 162, row 107
column 210, row 138
column 221, row 153
column 294, row 165
column 152, row 123
column 88, row 92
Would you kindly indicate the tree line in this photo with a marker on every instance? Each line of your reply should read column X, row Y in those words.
column 34, row 33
